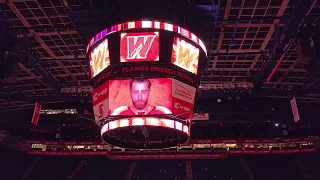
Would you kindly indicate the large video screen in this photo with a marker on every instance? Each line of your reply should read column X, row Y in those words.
column 185, row 55
column 100, row 101
column 140, row 97
column 99, row 58
column 142, row 46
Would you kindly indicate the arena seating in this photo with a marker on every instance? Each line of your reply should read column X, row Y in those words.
column 218, row 169
column 99, row 167
column 20, row 165
column 274, row 167
column 160, row 169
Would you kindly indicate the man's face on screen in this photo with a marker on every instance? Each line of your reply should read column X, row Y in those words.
column 140, row 94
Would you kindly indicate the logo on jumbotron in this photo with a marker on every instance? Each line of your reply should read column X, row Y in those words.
column 97, row 95
column 99, row 58
column 142, row 46
column 139, row 46
column 185, row 55
column 179, row 106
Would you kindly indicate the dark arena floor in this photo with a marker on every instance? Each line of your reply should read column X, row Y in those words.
column 159, row 90
column 20, row 165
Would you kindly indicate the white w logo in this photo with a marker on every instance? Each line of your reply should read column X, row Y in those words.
column 139, row 46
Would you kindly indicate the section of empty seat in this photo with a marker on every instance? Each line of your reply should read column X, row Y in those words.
column 54, row 167
column 218, row 169
column 266, row 167
column 310, row 163
column 99, row 167
column 159, row 170
column 15, row 164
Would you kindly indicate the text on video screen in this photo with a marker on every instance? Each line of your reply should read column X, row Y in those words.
column 100, row 101
column 183, row 97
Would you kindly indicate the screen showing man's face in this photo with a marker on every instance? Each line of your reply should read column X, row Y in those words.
column 140, row 94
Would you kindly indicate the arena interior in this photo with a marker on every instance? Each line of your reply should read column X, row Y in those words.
column 254, row 87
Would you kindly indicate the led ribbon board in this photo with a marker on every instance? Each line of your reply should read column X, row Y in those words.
column 121, row 132
column 147, row 25
column 144, row 46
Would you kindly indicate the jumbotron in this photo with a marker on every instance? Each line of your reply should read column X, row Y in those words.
column 143, row 96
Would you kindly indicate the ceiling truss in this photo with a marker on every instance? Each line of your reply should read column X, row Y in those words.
column 239, row 47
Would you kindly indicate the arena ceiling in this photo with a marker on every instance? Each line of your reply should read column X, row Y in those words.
column 240, row 43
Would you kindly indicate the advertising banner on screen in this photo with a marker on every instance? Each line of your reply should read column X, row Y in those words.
column 200, row 116
column 99, row 58
column 140, row 97
column 182, row 99
column 185, row 55
column 143, row 46
column 148, row 69
column 100, row 97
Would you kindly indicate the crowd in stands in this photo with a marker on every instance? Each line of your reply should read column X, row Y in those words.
column 19, row 165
